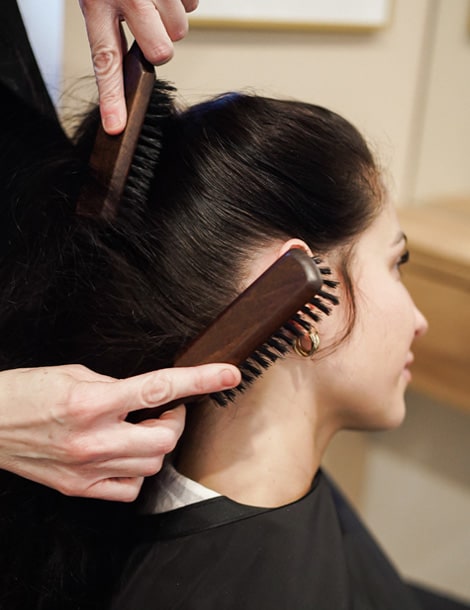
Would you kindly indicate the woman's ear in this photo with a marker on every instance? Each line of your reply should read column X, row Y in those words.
column 294, row 243
column 265, row 257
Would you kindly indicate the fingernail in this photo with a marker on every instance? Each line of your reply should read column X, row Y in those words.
column 228, row 378
column 112, row 123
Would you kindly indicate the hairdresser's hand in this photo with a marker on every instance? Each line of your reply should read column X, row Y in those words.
column 155, row 24
column 65, row 426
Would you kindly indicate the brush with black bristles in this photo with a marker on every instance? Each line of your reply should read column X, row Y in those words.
column 115, row 159
column 260, row 325
column 289, row 295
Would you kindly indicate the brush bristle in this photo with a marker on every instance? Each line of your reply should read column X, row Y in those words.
column 149, row 145
column 280, row 344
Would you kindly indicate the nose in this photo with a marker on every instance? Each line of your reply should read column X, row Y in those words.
column 421, row 324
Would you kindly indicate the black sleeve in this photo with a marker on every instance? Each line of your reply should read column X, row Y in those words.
column 19, row 70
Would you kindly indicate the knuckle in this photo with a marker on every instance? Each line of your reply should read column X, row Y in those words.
column 179, row 32
column 130, row 496
column 78, row 408
column 71, row 486
column 199, row 382
column 72, row 408
column 82, row 450
column 82, row 402
column 161, row 53
column 152, row 466
column 157, row 390
column 167, row 440
column 132, row 491
column 106, row 61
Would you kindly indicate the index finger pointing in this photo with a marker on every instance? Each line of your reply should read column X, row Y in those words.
column 161, row 387
column 106, row 44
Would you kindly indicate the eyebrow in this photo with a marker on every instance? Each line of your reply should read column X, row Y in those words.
column 401, row 236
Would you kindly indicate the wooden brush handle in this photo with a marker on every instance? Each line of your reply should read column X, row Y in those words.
column 251, row 319
column 112, row 156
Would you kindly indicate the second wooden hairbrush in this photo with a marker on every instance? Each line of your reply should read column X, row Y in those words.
column 286, row 296
column 122, row 165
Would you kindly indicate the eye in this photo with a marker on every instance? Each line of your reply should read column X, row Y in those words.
column 404, row 258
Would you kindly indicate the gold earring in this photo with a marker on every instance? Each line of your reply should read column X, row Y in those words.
column 314, row 341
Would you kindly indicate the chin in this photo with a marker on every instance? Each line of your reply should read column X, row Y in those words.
column 378, row 423
column 388, row 418
column 376, row 414
column 395, row 416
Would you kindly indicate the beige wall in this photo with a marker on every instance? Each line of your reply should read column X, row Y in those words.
column 404, row 86
column 442, row 154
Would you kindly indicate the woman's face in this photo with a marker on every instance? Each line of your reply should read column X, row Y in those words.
column 362, row 382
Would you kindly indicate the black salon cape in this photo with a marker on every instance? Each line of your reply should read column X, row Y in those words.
column 217, row 554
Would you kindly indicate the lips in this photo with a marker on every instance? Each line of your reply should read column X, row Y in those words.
column 406, row 369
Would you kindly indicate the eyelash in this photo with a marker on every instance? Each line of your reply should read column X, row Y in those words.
column 404, row 258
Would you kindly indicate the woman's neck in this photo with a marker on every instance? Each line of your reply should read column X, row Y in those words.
column 264, row 449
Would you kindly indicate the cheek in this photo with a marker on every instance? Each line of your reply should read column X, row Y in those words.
column 389, row 319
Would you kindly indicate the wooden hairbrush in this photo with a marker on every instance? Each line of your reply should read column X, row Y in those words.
column 114, row 158
column 243, row 337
